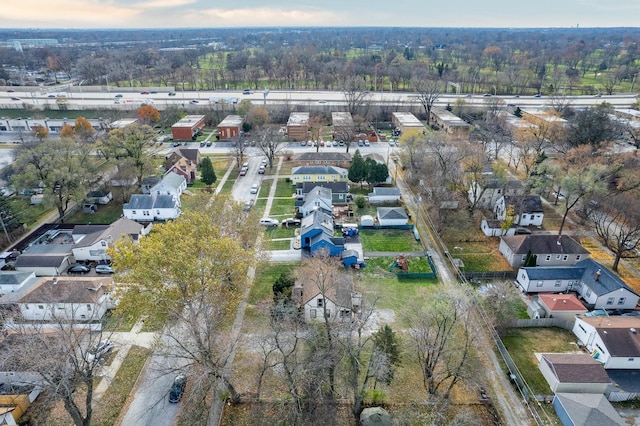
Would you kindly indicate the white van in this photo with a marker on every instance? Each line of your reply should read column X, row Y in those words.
column 267, row 221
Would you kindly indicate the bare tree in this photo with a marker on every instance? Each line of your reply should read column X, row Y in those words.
column 428, row 91
column 270, row 143
column 355, row 93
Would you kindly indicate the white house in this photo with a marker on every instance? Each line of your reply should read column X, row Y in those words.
column 43, row 265
column 485, row 195
column 150, row 208
column 526, row 210
column 612, row 340
column 15, row 281
column 338, row 301
column 389, row 216
column 319, row 198
column 384, row 195
column 171, row 184
column 92, row 241
column 578, row 373
column 493, row 228
column 595, row 284
column 68, row 298
column 550, row 250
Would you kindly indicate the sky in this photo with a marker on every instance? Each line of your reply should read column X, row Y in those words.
column 83, row 14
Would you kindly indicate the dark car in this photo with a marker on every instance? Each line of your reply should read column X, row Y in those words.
column 172, row 93
column 177, row 389
column 144, row 92
column 290, row 222
column 78, row 268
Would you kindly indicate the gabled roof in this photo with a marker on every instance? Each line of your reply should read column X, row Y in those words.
column 120, row 227
column 191, row 154
column 318, row 192
column 335, row 187
column 561, row 302
column 40, row 261
column 524, row 203
column 392, row 213
column 617, row 333
column 317, row 220
column 554, row 273
column 172, row 180
column 576, row 368
column 587, row 409
column 67, row 290
column 380, row 190
column 543, row 244
column 338, row 291
column 607, row 281
column 322, row 156
column 139, row 202
column 165, row 201
column 318, row 170
column 151, row 180
column 349, row 253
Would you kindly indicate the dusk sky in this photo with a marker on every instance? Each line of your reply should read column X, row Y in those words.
column 262, row 13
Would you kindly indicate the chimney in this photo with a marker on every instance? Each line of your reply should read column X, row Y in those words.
column 598, row 273
column 559, row 240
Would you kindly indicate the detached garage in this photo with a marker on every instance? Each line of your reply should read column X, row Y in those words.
column 390, row 216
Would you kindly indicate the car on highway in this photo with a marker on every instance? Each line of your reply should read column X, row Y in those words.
column 269, row 222
column 118, row 95
column 486, row 95
column 177, row 389
column 171, row 93
column 15, row 98
column 10, row 91
column 254, row 188
column 144, row 92
column 194, row 101
column 98, row 351
column 78, row 268
column 538, row 95
column 104, row 269
column 247, row 92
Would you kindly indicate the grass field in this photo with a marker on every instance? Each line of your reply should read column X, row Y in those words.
column 394, row 240
column 107, row 213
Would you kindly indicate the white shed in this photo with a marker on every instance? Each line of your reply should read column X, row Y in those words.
column 366, row 220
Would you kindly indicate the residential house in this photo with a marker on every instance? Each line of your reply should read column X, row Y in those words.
column 149, row 182
column 405, row 121
column 316, row 234
column 230, row 127
column 339, row 190
column 185, row 168
column 574, row 373
column 579, row 409
column 550, row 250
column 595, row 284
column 486, row 195
column 323, row 158
column 183, row 161
column 612, row 340
column 150, row 208
column 171, row 184
column 493, row 228
column 298, row 126
column 68, row 298
column 188, row 127
column 384, row 195
column 563, row 306
column 391, row 216
column 318, row 199
column 15, row 281
column 99, row 197
column 319, row 174
column 43, row 265
column 527, row 209
column 333, row 303
column 92, row 241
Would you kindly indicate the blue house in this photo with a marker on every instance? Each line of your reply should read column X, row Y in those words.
column 349, row 258
column 333, row 245
column 316, row 233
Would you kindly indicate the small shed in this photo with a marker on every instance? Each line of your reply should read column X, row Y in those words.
column 536, row 311
column 99, row 197
column 349, row 258
column 366, row 220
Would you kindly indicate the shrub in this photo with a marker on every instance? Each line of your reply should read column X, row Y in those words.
column 360, row 201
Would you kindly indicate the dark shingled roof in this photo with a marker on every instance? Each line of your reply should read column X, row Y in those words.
column 43, row 261
column 323, row 156
column 524, row 203
column 392, row 213
column 576, row 368
column 335, row 187
column 139, row 202
column 544, row 244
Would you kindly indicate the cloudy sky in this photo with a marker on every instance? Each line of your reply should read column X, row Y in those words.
column 252, row 13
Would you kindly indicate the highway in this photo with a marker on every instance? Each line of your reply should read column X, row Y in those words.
column 96, row 98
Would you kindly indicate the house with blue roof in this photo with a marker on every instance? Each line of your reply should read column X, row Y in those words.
column 597, row 286
column 316, row 233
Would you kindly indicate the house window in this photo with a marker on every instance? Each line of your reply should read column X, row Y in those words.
column 630, row 359
column 558, row 283
column 557, row 257
column 344, row 314
column 60, row 306
column 327, row 315
column 313, row 313
column 88, row 307
column 103, row 243
column 622, row 300
column 524, row 257
column 158, row 212
column 548, row 258
column 600, row 349
column 582, row 328
column 532, row 217
column 539, row 284
column 133, row 212
column 83, row 316
column 565, row 257
column 26, row 307
column 610, row 300
column 40, row 307
column 578, row 257
column 320, row 302
column 588, row 293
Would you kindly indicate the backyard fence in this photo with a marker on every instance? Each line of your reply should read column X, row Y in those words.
column 542, row 322
column 473, row 276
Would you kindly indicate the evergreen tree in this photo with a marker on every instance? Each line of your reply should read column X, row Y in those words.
column 282, row 286
column 530, row 260
column 376, row 172
column 208, row 175
column 357, row 170
column 386, row 341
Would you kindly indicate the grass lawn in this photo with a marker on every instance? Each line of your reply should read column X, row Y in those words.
column 395, row 240
column 278, row 245
column 266, row 275
column 113, row 401
column 415, row 264
column 107, row 213
column 228, row 186
column 27, row 213
column 280, row 232
column 483, row 262
column 523, row 342
column 284, row 189
column 114, row 322
column 282, row 208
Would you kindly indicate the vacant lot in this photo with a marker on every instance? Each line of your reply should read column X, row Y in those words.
column 393, row 240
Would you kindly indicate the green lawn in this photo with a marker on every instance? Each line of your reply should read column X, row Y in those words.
column 107, row 213
column 282, row 208
column 284, row 189
column 280, row 232
column 523, row 342
column 27, row 213
column 415, row 264
column 278, row 245
column 394, row 240
column 266, row 275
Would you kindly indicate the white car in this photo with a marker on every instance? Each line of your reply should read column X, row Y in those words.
column 96, row 352
column 254, row 188
column 267, row 221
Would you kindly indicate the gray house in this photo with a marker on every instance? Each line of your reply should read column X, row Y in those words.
column 579, row 409
column 551, row 250
column 339, row 191
column 319, row 198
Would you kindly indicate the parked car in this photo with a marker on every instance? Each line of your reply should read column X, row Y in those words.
column 245, row 165
column 335, row 143
column 177, row 389
column 104, row 269
column 254, row 188
column 78, row 268
column 247, row 206
column 366, row 142
column 267, row 221
column 99, row 350
column 303, row 143
column 360, row 142
column 291, row 222
column 261, row 170
column 243, row 172
column 341, row 143
column 264, row 162
column 208, row 143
